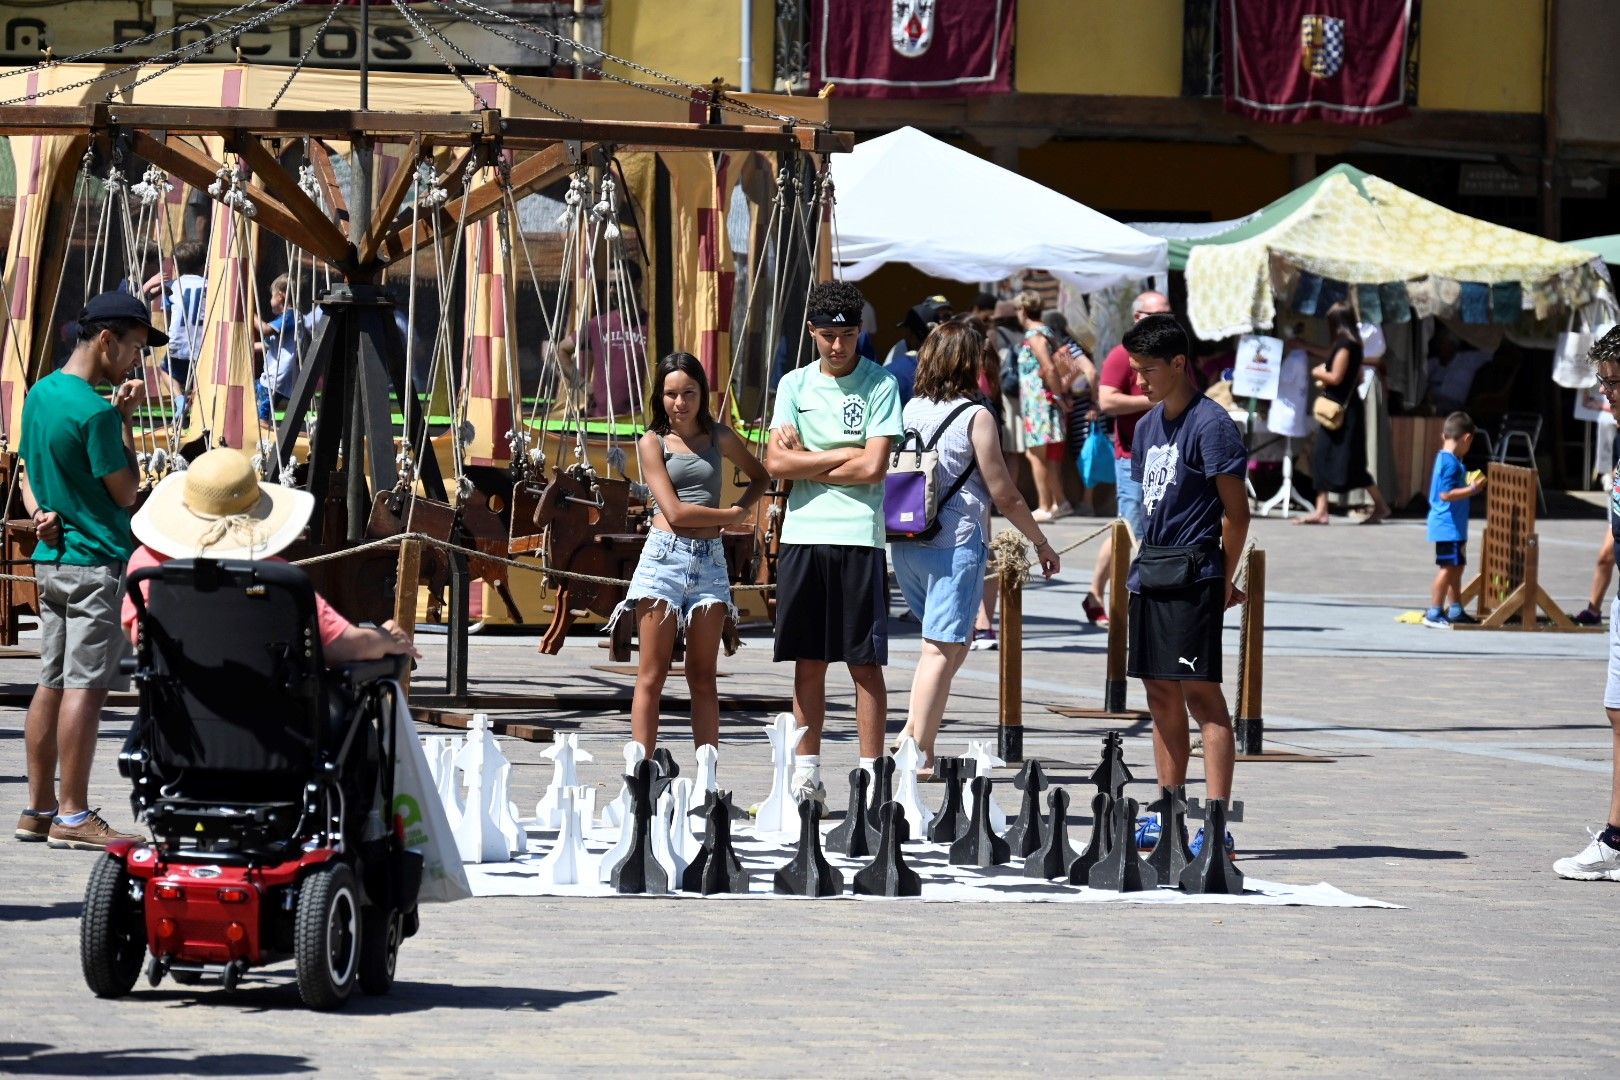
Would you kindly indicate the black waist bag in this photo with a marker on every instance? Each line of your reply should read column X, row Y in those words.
column 1159, row 568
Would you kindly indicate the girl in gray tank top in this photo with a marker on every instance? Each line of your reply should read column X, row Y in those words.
column 681, row 583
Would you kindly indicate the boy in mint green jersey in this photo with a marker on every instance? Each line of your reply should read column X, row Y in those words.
column 831, row 433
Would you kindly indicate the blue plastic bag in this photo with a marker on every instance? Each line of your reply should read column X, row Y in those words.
column 1097, row 458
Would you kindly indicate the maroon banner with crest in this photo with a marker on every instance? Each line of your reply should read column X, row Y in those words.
column 912, row 48
column 1343, row 61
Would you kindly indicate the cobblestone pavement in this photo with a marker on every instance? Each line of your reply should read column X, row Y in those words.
column 1463, row 764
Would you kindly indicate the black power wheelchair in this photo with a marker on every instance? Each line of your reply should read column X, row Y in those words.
column 265, row 780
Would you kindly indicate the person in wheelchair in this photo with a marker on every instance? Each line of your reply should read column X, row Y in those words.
column 219, row 509
column 261, row 758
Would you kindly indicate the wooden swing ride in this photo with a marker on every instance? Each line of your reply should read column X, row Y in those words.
column 399, row 434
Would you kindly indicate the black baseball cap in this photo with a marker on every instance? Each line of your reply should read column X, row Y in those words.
column 923, row 317
column 121, row 305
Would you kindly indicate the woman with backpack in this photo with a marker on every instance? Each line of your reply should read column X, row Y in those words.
column 941, row 571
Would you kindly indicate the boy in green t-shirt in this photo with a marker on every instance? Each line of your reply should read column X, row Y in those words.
column 830, row 434
column 78, row 484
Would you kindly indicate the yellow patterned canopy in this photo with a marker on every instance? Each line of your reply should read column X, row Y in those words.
column 1361, row 229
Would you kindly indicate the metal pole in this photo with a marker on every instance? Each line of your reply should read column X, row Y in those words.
column 365, row 58
column 745, row 71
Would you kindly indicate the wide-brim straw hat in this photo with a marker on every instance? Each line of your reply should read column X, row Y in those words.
column 218, row 509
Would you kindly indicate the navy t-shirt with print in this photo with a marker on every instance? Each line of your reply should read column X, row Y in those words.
column 1176, row 461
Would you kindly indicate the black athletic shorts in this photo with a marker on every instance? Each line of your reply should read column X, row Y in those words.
column 830, row 604
column 1176, row 633
column 1451, row 553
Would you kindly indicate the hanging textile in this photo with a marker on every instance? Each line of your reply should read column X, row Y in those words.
column 1342, row 61
column 490, row 338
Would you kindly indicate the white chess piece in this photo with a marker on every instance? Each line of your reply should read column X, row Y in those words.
column 682, row 839
column 907, row 760
column 449, row 782
column 615, row 812
column 568, row 862
column 585, row 806
column 478, row 837
column 666, row 830
column 984, row 760
column 708, row 760
column 563, row 755
column 780, row 811
column 503, row 809
column 433, row 751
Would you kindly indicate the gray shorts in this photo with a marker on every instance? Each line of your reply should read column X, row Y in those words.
column 81, row 641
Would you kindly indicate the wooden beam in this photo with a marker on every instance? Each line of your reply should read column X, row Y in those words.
column 392, row 197
column 518, row 133
column 321, row 155
column 267, row 168
column 1178, row 119
column 199, row 170
column 531, row 174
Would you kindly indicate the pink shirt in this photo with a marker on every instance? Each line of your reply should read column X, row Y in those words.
column 331, row 623
column 614, row 348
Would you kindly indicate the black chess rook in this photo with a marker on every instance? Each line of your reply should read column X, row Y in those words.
column 951, row 820
column 1212, row 870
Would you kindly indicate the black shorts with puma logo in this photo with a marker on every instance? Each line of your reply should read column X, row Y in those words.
column 1176, row 633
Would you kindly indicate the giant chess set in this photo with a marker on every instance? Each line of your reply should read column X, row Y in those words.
column 665, row 834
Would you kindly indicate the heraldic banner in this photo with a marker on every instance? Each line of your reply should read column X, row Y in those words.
column 1343, row 61
column 912, row 48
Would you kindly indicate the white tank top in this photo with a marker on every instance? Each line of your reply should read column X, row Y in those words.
column 964, row 517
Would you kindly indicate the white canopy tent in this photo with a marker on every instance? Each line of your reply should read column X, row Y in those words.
column 907, row 197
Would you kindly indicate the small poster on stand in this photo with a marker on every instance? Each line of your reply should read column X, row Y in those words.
column 1258, row 367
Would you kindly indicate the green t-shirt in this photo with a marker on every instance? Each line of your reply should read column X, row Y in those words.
column 832, row 413
column 71, row 438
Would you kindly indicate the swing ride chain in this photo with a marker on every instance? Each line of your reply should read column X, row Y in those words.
column 320, row 35
column 708, row 93
column 428, row 35
column 185, row 52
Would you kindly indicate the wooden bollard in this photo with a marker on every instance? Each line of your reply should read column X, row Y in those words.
column 1119, row 606
column 1010, row 726
column 407, row 583
column 1251, row 656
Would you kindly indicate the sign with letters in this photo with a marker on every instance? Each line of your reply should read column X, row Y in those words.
column 1258, row 367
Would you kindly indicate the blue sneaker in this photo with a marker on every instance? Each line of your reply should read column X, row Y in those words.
column 1456, row 616
column 1197, row 844
column 1437, row 619
column 1147, row 832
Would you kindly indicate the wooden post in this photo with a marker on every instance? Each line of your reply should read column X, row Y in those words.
column 1529, row 608
column 1251, row 656
column 1010, row 730
column 406, row 585
column 1118, row 616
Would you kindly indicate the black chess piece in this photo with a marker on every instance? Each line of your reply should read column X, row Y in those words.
column 854, row 836
column 716, row 869
column 667, row 768
column 732, row 814
column 1102, row 806
column 639, row 871
column 952, row 820
column 887, row 874
column 1212, row 870
column 809, row 873
column 1170, row 856
column 1055, row 856
column 1025, row 834
column 1111, row 774
column 882, row 789
column 980, row 846
column 1123, row 869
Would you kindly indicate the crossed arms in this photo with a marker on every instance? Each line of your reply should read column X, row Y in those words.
column 787, row 459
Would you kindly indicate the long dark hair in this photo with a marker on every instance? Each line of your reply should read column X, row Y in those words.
column 690, row 366
column 1341, row 321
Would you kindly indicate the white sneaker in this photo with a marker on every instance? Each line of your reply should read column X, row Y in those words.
column 1598, row 862
column 808, row 785
column 1041, row 514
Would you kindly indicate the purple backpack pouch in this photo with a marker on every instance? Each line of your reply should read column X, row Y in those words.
column 905, row 503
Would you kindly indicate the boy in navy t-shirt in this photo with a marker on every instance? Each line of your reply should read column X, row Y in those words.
column 1600, row 859
column 1190, row 459
column 1449, row 492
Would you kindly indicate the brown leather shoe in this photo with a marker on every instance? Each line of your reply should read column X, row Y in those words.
column 32, row 827
column 91, row 834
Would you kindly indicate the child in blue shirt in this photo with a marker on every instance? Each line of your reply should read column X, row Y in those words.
column 1449, row 492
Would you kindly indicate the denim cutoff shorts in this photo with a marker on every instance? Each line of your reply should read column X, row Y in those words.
column 685, row 574
column 942, row 586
